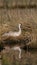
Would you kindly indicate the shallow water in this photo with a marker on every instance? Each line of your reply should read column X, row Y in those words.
column 28, row 58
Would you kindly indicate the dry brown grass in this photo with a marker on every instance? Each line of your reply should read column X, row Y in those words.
column 9, row 20
column 14, row 3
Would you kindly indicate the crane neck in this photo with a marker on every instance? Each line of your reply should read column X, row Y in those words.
column 20, row 28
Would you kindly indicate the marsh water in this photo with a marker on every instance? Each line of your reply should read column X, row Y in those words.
column 28, row 58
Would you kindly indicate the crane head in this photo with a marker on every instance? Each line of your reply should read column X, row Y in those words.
column 20, row 24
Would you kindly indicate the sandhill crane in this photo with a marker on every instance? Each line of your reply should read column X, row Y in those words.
column 16, row 34
column 13, row 34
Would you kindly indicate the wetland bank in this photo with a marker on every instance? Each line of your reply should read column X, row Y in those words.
column 9, row 20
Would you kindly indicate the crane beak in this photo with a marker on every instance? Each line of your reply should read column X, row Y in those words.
column 20, row 23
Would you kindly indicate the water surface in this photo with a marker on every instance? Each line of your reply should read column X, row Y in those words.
column 28, row 58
